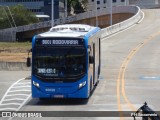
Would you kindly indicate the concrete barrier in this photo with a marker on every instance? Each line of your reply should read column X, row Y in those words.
column 123, row 25
column 16, row 66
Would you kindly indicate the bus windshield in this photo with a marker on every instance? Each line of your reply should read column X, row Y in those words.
column 59, row 62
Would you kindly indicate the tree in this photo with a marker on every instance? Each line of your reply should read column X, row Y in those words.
column 23, row 16
column 4, row 19
column 20, row 14
column 76, row 6
column 84, row 4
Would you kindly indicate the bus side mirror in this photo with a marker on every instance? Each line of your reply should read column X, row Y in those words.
column 28, row 62
column 91, row 59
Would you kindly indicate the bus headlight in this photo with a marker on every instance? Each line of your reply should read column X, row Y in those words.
column 82, row 84
column 36, row 84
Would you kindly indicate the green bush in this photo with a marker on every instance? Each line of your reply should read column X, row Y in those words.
column 21, row 16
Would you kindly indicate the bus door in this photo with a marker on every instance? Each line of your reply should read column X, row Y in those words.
column 95, row 63
column 99, row 67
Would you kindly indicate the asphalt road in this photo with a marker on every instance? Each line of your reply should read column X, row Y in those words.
column 130, row 75
column 7, row 78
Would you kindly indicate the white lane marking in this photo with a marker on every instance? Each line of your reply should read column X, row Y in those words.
column 17, row 95
column 24, row 82
column 114, row 34
column 19, row 91
column 4, row 104
column 13, row 99
column 8, row 109
column 27, row 86
column 151, row 77
column 21, row 106
column 9, row 90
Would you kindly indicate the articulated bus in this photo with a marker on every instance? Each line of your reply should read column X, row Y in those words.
column 66, row 61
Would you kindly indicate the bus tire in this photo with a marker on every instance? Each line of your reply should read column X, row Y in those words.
column 97, row 83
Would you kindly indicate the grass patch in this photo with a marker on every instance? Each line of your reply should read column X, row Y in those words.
column 14, row 51
column 15, row 47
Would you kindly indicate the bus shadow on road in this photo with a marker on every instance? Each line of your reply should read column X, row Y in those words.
column 57, row 102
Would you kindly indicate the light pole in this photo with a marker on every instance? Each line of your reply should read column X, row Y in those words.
column 52, row 12
column 125, row 2
column 65, row 8
column 96, row 13
column 111, row 12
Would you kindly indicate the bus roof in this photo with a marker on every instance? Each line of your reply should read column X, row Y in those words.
column 70, row 30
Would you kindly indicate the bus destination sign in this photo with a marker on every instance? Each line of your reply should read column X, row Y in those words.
column 64, row 42
column 60, row 42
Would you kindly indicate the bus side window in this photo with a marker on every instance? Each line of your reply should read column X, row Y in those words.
column 91, row 58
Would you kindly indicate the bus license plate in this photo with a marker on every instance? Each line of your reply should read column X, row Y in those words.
column 58, row 96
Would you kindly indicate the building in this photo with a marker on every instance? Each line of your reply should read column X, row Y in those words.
column 43, row 7
column 105, row 3
column 39, row 7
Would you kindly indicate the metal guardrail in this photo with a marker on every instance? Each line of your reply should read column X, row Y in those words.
column 10, row 33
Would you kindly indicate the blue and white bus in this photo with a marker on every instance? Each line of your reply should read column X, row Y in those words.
column 66, row 61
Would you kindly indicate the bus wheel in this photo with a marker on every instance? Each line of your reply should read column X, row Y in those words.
column 97, row 83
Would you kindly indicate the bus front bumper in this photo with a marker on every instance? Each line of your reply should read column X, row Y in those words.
column 79, row 93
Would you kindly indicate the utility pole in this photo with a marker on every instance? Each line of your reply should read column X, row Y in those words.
column 96, row 13
column 111, row 12
column 52, row 12
column 125, row 2
column 66, row 8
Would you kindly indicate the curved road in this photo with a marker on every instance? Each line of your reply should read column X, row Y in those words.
column 134, row 57
column 130, row 73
